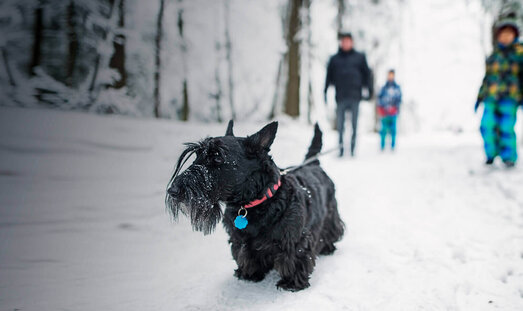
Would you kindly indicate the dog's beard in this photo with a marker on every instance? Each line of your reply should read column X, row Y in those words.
column 205, row 219
column 196, row 200
column 203, row 212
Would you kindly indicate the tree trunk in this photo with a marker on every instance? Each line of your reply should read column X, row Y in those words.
column 228, row 50
column 281, row 75
column 276, row 96
column 73, row 43
column 157, row 60
column 218, row 95
column 95, row 73
column 117, row 61
column 184, row 116
column 37, row 38
column 5, row 59
column 184, row 111
column 98, row 59
column 310, row 96
column 292, row 92
column 341, row 14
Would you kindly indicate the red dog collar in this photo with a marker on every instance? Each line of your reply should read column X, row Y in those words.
column 241, row 222
column 268, row 194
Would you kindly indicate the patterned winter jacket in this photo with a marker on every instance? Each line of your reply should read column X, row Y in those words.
column 504, row 74
column 389, row 99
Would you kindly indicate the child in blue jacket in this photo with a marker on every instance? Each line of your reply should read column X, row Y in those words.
column 389, row 101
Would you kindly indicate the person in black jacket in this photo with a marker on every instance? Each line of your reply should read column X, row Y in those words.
column 349, row 73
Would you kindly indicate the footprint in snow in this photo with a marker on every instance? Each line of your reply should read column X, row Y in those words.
column 127, row 226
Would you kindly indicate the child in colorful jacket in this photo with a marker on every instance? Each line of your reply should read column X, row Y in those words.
column 389, row 101
column 500, row 93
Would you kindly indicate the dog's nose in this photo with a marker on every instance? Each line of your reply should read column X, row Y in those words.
column 174, row 190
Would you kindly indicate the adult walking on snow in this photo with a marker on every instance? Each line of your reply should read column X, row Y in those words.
column 389, row 101
column 500, row 93
column 349, row 73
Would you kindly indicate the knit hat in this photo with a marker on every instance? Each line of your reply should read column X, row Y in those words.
column 509, row 21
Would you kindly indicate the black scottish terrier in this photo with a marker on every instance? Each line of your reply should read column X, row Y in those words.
column 274, row 220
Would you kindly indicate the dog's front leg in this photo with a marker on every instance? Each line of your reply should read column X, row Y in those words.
column 295, row 262
column 251, row 266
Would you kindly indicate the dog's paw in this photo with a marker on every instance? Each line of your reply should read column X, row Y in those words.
column 255, row 277
column 291, row 285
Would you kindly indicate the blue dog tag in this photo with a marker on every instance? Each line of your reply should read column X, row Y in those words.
column 240, row 222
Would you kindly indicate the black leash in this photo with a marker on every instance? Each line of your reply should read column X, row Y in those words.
column 308, row 161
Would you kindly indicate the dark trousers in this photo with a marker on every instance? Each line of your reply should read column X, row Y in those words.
column 343, row 107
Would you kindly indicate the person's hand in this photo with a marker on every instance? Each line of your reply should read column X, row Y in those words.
column 365, row 94
column 325, row 98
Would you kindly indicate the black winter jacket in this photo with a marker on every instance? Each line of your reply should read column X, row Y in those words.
column 349, row 73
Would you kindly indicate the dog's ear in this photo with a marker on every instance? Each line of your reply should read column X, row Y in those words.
column 229, row 131
column 265, row 137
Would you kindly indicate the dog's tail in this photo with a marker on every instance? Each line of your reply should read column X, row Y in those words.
column 316, row 144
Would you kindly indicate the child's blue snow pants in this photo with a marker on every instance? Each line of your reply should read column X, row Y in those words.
column 497, row 129
column 388, row 125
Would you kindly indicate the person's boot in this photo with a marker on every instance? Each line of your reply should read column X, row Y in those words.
column 341, row 151
column 509, row 164
column 489, row 161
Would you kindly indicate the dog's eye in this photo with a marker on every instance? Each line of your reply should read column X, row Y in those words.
column 217, row 160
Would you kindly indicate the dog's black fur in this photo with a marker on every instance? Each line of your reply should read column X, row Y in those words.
column 287, row 232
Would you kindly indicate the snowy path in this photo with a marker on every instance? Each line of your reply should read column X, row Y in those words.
column 83, row 227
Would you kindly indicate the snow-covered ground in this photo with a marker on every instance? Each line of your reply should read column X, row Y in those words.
column 83, row 224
